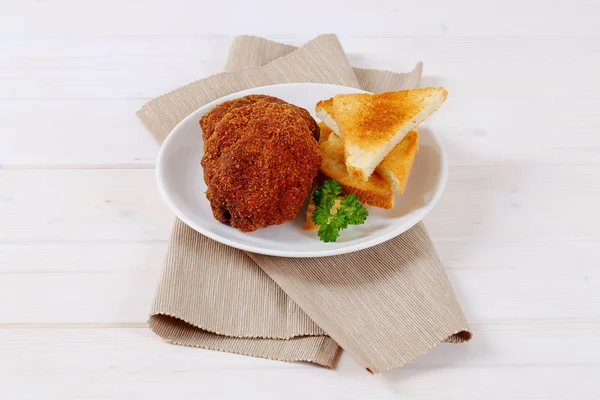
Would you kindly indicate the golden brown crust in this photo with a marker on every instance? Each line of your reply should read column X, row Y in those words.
column 381, row 199
column 326, row 105
column 259, row 165
column 209, row 121
column 356, row 173
column 309, row 223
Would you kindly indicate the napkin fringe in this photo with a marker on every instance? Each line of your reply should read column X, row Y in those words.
column 460, row 336
column 326, row 353
column 158, row 314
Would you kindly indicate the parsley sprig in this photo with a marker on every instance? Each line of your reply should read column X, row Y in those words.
column 331, row 220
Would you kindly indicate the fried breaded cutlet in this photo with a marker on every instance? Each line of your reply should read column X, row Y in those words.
column 209, row 121
column 259, row 163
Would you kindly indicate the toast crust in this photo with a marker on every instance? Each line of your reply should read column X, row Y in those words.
column 309, row 223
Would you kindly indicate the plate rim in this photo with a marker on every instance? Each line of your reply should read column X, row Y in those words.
column 415, row 219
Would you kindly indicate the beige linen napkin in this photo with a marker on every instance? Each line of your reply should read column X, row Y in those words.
column 385, row 305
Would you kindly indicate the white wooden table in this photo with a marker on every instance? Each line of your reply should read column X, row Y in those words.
column 83, row 230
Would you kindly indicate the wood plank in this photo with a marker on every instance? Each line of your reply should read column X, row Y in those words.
column 82, row 258
column 569, row 254
column 484, row 121
column 120, row 257
column 74, row 133
column 400, row 18
column 500, row 204
column 135, row 67
column 111, row 297
column 114, row 283
column 121, row 363
column 498, row 345
column 517, row 204
column 97, row 133
column 59, row 205
column 105, row 68
column 527, row 383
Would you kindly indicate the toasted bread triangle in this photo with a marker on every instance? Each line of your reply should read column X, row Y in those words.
column 373, row 124
column 376, row 191
column 396, row 166
column 324, row 111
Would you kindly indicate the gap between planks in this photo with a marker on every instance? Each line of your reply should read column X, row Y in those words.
column 540, row 324
column 51, row 167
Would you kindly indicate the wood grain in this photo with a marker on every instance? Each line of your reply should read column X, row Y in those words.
column 529, row 205
column 103, row 133
column 123, row 297
column 113, row 363
column 83, row 229
column 309, row 18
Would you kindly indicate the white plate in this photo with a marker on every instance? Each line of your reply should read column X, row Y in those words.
column 181, row 183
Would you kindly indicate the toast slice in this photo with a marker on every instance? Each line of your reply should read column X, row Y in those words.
column 373, row 124
column 324, row 111
column 396, row 166
column 376, row 191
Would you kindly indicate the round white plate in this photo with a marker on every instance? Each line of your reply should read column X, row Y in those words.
column 181, row 183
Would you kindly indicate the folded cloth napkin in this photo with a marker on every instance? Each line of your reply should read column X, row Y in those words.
column 385, row 305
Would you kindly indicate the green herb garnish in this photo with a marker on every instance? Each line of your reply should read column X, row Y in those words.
column 331, row 220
